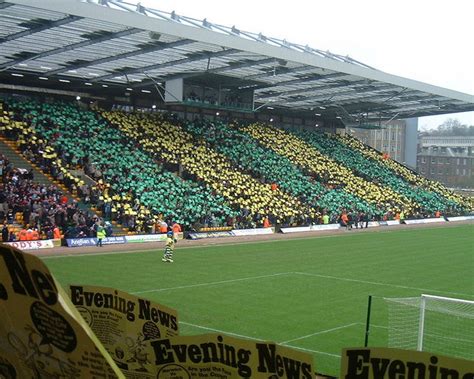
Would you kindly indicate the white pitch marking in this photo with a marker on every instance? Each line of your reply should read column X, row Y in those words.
column 220, row 331
column 254, row 338
column 314, row 351
column 212, row 283
column 379, row 283
column 145, row 250
column 376, row 326
column 320, row 332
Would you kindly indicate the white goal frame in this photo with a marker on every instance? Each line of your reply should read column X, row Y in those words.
column 421, row 335
column 421, row 327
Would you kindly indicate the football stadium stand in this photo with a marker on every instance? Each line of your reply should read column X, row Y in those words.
column 151, row 117
column 127, row 124
column 147, row 167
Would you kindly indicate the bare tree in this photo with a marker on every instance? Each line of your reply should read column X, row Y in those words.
column 451, row 127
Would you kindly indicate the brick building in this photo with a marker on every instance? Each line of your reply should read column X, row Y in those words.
column 397, row 138
column 449, row 160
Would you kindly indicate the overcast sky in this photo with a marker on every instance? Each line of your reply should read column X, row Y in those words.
column 429, row 41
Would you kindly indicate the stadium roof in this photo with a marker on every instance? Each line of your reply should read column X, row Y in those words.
column 111, row 44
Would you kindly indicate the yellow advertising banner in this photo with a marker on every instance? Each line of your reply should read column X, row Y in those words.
column 381, row 363
column 126, row 325
column 41, row 334
column 223, row 357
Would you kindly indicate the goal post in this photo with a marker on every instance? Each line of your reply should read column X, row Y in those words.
column 431, row 323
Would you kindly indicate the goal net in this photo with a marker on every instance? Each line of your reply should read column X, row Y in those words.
column 432, row 323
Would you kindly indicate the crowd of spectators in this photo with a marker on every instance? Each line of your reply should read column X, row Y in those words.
column 132, row 187
column 329, row 171
column 269, row 167
column 245, row 193
column 454, row 203
column 230, row 100
column 238, row 176
column 41, row 211
column 376, row 171
column 206, row 99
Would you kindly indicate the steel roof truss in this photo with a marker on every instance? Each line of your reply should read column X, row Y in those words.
column 53, row 24
column 168, row 64
column 134, row 53
column 71, row 47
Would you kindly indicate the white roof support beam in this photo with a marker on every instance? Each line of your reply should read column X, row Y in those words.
column 53, row 24
column 166, row 64
column 70, row 47
column 129, row 54
column 217, row 70
column 226, row 40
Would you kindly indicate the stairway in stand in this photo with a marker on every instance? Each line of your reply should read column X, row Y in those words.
column 10, row 150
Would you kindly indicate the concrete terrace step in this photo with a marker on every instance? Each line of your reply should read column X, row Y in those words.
column 10, row 150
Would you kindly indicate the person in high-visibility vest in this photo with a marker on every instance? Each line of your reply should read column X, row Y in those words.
column 100, row 235
column 325, row 219
column 266, row 222
column 56, row 233
column 22, row 235
column 29, row 234
column 163, row 227
column 176, row 229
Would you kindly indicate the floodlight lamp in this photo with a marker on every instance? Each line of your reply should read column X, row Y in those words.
column 217, row 113
column 153, row 106
column 78, row 98
column 271, row 120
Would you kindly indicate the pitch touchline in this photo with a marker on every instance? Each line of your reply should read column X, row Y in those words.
column 378, row 283
column 212, row 283
column 220, row 331
column 153, row 249
column 320, row 332
column 254, row 338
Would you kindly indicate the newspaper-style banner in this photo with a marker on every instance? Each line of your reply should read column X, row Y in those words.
column 126, row 325
column 461, row 218
column 223, row 357
column 81, row 242
column 380, row 363
column 32, row 245
column 41, row 334
column 140, row 238
column 425, row 221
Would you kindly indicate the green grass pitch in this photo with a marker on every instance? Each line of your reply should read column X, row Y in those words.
column 306, row 293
